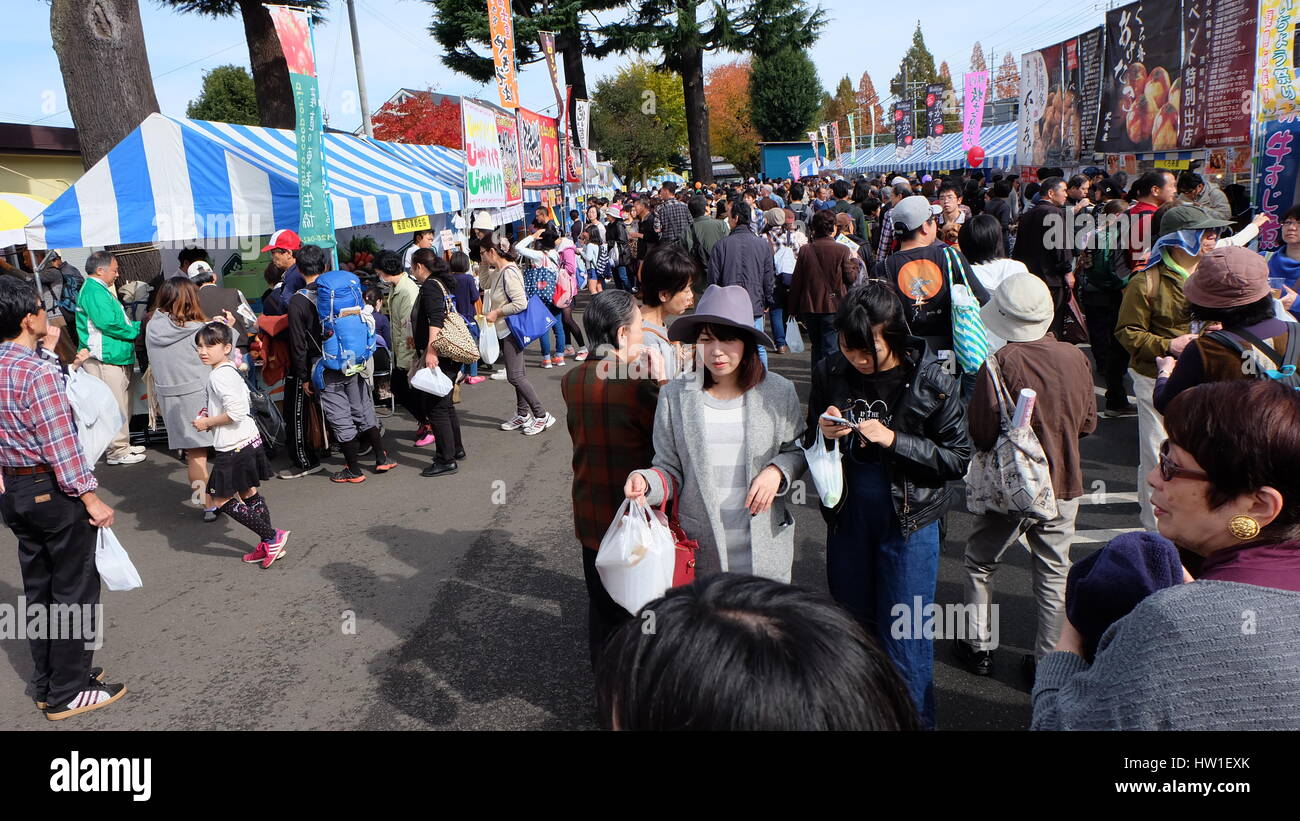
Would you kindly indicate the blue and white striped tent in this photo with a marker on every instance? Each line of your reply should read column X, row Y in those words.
column 178, row 180
column 441, row 163
column 999, row 143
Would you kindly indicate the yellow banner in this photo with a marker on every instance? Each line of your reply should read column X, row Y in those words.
column 1173, row 165
column 406, row 226
column 502, row 30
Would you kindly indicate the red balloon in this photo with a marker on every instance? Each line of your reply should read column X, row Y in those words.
column 975, row 156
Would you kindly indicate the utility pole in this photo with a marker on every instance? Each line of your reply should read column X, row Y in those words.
column 361, row 73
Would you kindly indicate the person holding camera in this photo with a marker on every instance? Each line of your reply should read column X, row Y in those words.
column 887, row 402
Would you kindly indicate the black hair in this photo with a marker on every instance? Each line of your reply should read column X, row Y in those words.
column 436, row 265
column 840, row 189
column 751, row 370
column 388, row 262
column 1076, row 181
column 981, row 239
column 671, row 186
column 668, row 267
column 1050, row 184
column 867, row 305
column 420, row 233
column 1001, row 190
column 1188, row 182
column 1144, row 184
column 739, row 211
column 1242, row 316
column 739, row 652
column 699, row 206
column 18, row 300
column 1031, row 190
column 1292, row 213
column 870, row 207
column 189, row 255
column 607, row 311
column 823, row 223
column 861, row 190
column 720, row 209
column 459, row 262
column 950, row 186
column 573, row 213
column 796, row 191
column 215, row 333
column 311, row 260
column 372, row 295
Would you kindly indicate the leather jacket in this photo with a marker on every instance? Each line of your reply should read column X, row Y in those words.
column 932, row 445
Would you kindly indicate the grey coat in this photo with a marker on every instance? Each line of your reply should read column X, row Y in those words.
column 180, row 379
column 774, row 422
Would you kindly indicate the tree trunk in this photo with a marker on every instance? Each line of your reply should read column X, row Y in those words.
column 270, row 71
column 697, row 114
column 570, row 48
column 105, row 68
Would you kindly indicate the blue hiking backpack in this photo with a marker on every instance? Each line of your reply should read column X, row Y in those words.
column 347, row 329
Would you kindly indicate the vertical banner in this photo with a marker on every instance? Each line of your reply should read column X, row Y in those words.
column 975, row 90
column 812, row 138
column 501, row 26
column 839, row 146
column 903, row 129
column 825, row 132
column 853, row 135
column 933, row 117
column 539, row 149
column 315, row 214
column 508, row 139
column 1229, row 40
column 1279, row 86
column 582, row 123
column 794, row 167
column 1278, row 178
column 485, row 182
column 547, row 41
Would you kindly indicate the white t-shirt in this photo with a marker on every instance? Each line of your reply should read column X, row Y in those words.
column 228, row 393
column 992, row 273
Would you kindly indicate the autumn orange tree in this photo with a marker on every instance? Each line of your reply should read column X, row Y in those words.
column 731, row 130
column 420, row 121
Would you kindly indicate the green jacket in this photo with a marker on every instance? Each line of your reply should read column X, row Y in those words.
column 859, row 219
column 706, row 231
column 399, row 306
column 1154, row 312
column 102, row 325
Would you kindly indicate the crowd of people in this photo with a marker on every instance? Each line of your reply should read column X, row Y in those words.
column 925, row 304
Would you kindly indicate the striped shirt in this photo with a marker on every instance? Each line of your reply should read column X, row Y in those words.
column 724, row 426
column 36, row 422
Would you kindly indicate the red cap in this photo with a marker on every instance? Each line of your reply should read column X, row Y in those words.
column 285, row 240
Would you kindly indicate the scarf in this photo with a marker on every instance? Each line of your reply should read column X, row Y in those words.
column 1265, row 565
column 1189, row 240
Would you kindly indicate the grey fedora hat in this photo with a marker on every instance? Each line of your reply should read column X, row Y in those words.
column 726, row 305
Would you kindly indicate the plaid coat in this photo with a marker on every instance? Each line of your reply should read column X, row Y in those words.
column 611, row 421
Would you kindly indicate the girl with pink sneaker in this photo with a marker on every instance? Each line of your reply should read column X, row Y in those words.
column 467, row 294
column 240, row 464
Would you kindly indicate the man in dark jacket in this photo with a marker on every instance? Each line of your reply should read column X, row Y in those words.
column 841, row 204
column 823, row 274
column 744, row 258
column 1041, row 244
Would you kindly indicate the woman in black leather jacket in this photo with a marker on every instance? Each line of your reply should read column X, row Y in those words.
column 882, row 547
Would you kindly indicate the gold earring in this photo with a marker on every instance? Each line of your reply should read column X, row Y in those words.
column 1243, row 528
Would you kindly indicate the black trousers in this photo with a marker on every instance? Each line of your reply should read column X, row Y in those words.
column 1102, row 313
column 296, row 408
column 443, row 416
column 414, row 400
column 604, row 615
column 56, row 553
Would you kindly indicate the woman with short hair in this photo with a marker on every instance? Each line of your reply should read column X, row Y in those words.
column 981, row 241
column 666, row 291
column 1221, row 652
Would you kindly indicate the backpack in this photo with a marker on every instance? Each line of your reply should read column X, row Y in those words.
column 1262, row 354
column 347, row 329
column 71, row 287
column 541, row 281
column 1102, row 274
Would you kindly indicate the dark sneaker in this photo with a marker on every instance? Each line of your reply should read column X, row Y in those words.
column 440, row 469
column 298, row 473
column 347, row 475
column 1119, row 413
column 385, row 464
column 96, row 677
column 92, row 698
column 976, row 662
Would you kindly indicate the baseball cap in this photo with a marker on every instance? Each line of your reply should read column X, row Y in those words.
column 285, row 240
column 1228, row 277
column 913, row 211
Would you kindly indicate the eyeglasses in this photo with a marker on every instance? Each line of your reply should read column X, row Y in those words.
column 1170, row 471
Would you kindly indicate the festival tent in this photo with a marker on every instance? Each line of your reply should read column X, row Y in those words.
column 440, row 162
column 178, row 180
column 998, row 142
column 16, row 210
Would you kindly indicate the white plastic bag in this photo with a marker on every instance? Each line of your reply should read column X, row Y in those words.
column 636, row 558
column 793, row 336
column 115, row 567
column 827, row 469
column 489, row 347
column 432, row 380
column 98, row 416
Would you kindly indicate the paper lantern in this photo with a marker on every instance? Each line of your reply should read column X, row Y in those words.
column 975, row 156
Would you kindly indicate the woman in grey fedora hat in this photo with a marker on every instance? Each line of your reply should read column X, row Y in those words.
column 726, row 443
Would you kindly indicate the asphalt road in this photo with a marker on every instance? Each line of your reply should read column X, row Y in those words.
column 466, row 593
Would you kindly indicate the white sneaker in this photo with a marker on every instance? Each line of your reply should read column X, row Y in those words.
column 499, row 375
column 536, row 426
column 137, row 448
column 128, row 459
column 517, row 423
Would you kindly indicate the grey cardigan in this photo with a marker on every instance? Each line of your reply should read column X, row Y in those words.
column 774, row 423
column 1200, row 656
column 504, row 290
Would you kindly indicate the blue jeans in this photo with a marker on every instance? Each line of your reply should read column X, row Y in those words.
column 472, row 368
column 778, row 326
column 762, row 350
column 872, row 569
column 559, row 333
column 825, row 339
column 623, row 277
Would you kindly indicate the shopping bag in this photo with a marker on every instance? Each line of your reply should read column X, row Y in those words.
column 636, row 558
column 531, row 323
column 793, row 336
column 969, row 339
column 827, row 470
column 114, row 566
column 1013, row 478
column 489, row 347
column 97, row 413
column 432, row 380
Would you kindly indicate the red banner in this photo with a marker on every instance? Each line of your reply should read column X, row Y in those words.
column 539, row 149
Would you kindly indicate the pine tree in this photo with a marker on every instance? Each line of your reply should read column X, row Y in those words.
column 917, row 67
column 870, row 110
column 783, row 94
column 977, row 62
column 1007, row 83
column 228, row 96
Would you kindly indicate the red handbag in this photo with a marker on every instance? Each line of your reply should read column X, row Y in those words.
column 684, row 570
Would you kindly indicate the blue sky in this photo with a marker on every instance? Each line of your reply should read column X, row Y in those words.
column 398, row 51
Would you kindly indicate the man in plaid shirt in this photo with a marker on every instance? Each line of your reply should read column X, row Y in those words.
column 611, row 400
column 672, row 217
column 49, row 503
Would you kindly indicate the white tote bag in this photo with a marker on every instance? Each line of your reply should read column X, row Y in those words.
column 432, row 380
column 97, row 413
column 793, row 336
column 827, row 469
column 489, row 346
column 637, row 557
column 114, row 566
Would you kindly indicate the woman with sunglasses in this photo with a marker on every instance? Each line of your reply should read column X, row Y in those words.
column 1221, row 652
column 906, row 440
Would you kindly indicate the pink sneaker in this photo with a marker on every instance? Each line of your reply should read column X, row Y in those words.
column 258, row 554
column 474, row 380
column 275, row 548
column 425, row 441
